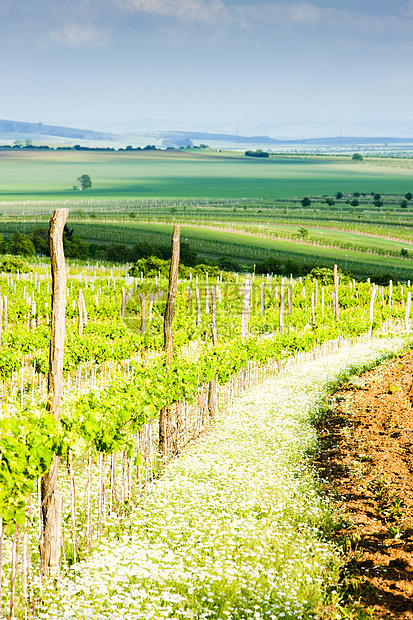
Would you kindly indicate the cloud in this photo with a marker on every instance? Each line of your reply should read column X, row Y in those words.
column 200, row 11
column 305, row 13
column 408, row 11
column 76, row 36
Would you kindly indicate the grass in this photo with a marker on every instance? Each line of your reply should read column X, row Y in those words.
column 43, row 175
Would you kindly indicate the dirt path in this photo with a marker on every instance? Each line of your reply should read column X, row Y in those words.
column 366, row 460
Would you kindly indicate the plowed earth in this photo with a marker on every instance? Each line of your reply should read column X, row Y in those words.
column 366, row 462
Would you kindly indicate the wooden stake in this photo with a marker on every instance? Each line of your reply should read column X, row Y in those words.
column 51, row 496
column 165, row 414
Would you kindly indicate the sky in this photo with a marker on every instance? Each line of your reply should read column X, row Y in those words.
column 279, row 67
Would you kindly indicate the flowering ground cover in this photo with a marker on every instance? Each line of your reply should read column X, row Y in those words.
column 235, row 527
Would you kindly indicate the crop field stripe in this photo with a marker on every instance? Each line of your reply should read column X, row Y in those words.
column 51, row 175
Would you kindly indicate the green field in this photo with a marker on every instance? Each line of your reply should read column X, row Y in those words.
column 50, row 175
column 230, row 205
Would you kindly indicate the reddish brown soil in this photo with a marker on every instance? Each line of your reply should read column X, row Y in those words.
column 366, row 460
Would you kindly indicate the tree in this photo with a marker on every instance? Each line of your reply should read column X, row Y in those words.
column 357, row 157
column 303, row 232
column 330, row 202
column 408, row 196
column 83, row 182
column 21, row 244
column 339, row 195
column 354, row 202
column 306, row 202
column 376, row 196
column 404, row 252
column 404, row 204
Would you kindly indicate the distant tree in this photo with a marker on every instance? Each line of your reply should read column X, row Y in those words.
column 404, row 252
column 21, row 245
column 330, row 202
column 356, row 194
column 339, row 195
column 376, row 196
column 357, row 157
column 12, row 264
column 408, row 196
column 73, row 246
column 404, row 204
column 378, row 203
column 354, row 202
column 118, row 253
column 306, row 202
column 257, row 153
column 40, row 240
column 228, row 264
column 303, row 232
column 83, row 182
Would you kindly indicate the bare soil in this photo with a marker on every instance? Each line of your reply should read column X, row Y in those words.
column 366, row 463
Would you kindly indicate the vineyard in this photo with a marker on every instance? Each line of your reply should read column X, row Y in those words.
column 136, row 394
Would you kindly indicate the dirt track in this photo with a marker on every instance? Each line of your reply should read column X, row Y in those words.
column 366, row 460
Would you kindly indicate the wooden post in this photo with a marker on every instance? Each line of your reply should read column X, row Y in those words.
column 313, row 309
column 198, row 307
column 262, row 298
column 51, row 496
column 212, row 390
column 406, row 316
column 79, row 313
column 165, row 414
column 282, row 307
column 143, row 312
column 335, row 295
column 123, row 303
column 246, row 309
column 5, row 313
column 373, row 297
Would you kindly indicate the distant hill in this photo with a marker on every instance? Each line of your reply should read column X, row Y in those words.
column 28, row 129
column 16, row 130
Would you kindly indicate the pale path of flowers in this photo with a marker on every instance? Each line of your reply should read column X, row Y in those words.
column 231, row 528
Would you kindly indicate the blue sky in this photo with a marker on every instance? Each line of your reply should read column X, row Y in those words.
column 272, row 66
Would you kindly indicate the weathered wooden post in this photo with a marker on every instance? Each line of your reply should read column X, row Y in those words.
column 372, row 299
column 282, row 307
column 165, row 422
column 335, row 295
column 143, row 312
column 50, row 494
column 246, row 309
column 406, row 316
column 79, row 313
column 212, row 390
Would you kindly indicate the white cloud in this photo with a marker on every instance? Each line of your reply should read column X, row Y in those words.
column 201, row 11
column 76, row 36
column 408, row 11
column 305, row 13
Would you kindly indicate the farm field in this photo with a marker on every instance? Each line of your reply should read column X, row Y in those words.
column 125, row 499
column 50, row 175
